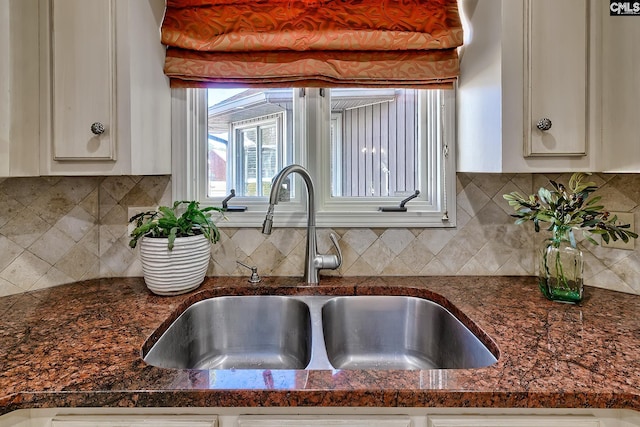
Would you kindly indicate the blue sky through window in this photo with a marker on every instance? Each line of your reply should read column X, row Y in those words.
column 215, row 96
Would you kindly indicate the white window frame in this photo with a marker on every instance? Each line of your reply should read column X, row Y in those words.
column 435, row 207
column 336, row 157
column 276, row 120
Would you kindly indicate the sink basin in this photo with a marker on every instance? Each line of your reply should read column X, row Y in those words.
column 318, row 332
column 237, row 332
column 397, row 332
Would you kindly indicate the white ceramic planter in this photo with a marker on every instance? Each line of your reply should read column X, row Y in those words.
column 174, row 272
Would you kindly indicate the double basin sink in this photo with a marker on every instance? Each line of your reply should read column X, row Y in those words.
column 318, row 332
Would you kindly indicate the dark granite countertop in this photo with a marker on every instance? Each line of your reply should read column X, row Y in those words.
column 79, row 345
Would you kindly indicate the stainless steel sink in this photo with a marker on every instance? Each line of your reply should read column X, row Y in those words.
column 397, row 332
column 241, row 332
column 318, row 332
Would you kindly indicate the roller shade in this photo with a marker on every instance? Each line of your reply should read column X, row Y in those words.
column 289, row 43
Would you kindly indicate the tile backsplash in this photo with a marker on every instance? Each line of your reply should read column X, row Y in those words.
column 56, row 230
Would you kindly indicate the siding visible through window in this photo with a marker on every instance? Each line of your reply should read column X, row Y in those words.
column 378, row 148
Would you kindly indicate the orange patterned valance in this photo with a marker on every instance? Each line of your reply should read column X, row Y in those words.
column 401, row 43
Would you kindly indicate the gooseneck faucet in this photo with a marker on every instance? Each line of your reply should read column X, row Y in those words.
column 313, row 261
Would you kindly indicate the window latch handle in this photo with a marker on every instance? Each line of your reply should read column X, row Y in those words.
column 402, row 207
column 227, row 208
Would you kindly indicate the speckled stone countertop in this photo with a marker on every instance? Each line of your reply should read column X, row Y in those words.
column 79, row 345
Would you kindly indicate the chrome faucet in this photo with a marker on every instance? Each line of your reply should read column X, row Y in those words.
column 313, row 261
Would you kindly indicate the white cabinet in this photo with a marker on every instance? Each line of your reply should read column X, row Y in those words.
column 83, row 80
column 556, row 52
column 512, row 421
column 620, row 92
column 105, row 102
column 19, row 107
column 528, row 60
column 134, row 421
column 319, row 417
column 323, row 421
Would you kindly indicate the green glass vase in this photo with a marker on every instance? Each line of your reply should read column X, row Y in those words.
column 561, row 268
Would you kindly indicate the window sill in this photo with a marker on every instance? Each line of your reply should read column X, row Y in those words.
column 377, row 219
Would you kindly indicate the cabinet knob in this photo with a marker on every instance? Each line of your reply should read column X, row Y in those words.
column 544, row 124
column 97, row 128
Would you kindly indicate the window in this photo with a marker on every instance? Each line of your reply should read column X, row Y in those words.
column 256, row 155
column 365, row 149
column 374, row 141
column 247, row 140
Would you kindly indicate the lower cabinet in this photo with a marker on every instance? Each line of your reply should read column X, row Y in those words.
column 323, row 420
column 319, row 417
column 135, row 421
column 513, row 421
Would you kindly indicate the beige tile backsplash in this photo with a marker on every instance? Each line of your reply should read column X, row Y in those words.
column 55, row 230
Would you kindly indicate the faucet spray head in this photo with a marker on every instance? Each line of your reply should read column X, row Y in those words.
column 268, row 221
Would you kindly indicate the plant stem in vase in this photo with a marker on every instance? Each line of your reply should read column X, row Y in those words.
column 561, row 268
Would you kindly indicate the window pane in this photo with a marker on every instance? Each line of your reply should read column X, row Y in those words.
column 249, row 139
column 217, row 166
column 248, row 163
column 269, row 156
column 374, row 142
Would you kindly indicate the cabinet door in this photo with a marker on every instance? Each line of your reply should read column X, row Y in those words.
column 19, row 91
column 512, row 421
column 83, row 80
column 620, row 93
column 134, row 421
column 323, row 421
column 556, row 77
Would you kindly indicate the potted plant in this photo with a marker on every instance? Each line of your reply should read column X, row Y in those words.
column 175, row 245
column 561, row 263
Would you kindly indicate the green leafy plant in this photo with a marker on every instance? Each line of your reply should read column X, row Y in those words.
column 560, row 276
column 567, row 209
column 169, row 223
